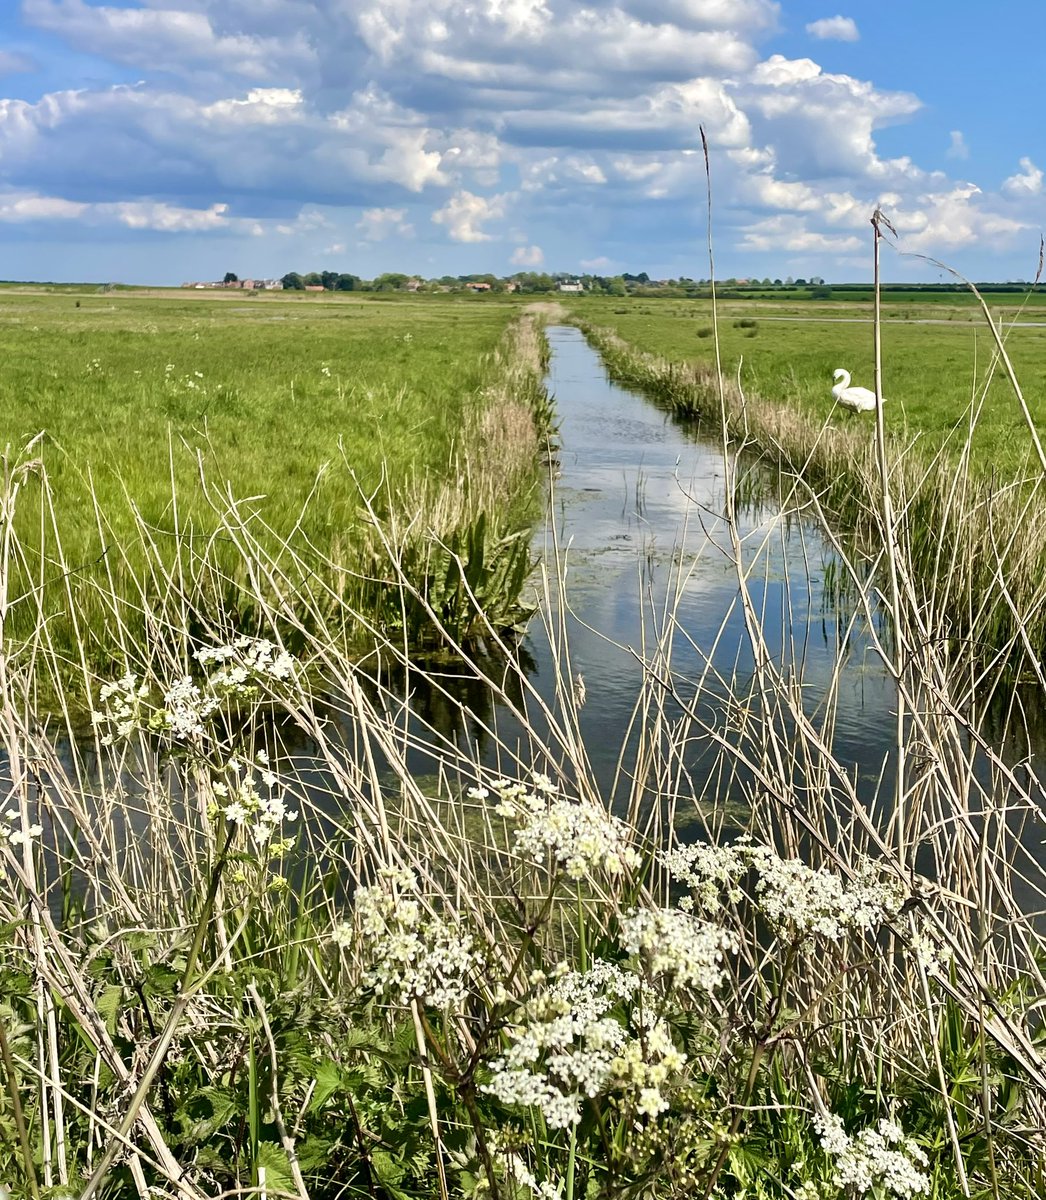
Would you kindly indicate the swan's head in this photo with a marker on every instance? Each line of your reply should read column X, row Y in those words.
column 839, row 373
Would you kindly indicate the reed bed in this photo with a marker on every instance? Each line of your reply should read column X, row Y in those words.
column 266, row 929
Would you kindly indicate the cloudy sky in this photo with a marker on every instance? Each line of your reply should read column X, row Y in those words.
column 160, row 140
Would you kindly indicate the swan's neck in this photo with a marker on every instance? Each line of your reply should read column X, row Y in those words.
column 844, row 382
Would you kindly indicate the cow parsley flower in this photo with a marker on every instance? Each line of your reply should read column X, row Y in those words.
column 567, row 1048
column 185, row 710
column 803, row 902
column 575, row 836
column 799, row 901
column 713, row 873
column 243, row 802
column 410, row 954
column 882, row 1159
column 672, row 942
column 585, row 1034
column 13, row 833
column 123, row 707
column 243, row 664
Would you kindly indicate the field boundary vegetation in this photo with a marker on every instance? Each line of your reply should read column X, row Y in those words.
column 975, row 542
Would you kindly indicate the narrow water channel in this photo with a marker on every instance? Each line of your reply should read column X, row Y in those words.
column 636, row 515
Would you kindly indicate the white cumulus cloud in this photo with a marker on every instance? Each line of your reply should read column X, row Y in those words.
column 834, row 29
column 377, row 224
column 464, row 213
column 957, row 147
column 1027, row 182
column 527, row 256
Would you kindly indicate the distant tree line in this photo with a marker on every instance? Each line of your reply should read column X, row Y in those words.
column 625, row 284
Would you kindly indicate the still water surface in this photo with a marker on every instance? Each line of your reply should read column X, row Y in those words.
column 636, row 515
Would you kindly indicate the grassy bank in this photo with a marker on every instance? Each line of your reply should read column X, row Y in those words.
column 938, row 361
column 972, row 534
column 145, row 421
column 246, row 949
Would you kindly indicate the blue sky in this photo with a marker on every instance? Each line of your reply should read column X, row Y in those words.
column 152, row 141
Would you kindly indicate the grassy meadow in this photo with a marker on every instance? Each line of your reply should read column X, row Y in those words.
column 151, row 414
column 937, row 358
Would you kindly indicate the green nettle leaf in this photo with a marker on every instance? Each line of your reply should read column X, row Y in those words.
column 274, row 1160
column 108, row 1004
column 140, row 940
column 389, row 1170
column 225, row 1107
column 329, row 1082
column 162, row 980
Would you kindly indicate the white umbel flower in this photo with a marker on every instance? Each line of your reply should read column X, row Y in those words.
column 882, row 1159
column 576, row 837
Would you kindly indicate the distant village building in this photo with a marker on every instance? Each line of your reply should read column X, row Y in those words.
column 571, row 285
column 478, row 287
column 250, row 285
column 412, row 285
column 315, row 287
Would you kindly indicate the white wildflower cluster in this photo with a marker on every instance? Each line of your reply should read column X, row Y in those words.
column 672, row 942
column 646, row 1064
column 804, row 902
column 933, row 956
column 882, row 1159
column 187, row 704
column 801, row 902
column 243, row 664
column 713, row 873
column 122, row 702
column 568, row 1048
column 511, row 1165
column 191, row 381
column 185, row 709
column 243, row 802
column 410, row 954
column 12, row 832
column 589, row 1033
column 575, row 836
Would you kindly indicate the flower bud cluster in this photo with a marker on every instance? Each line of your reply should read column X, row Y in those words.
column 882, row 1159
column 12, row 832
column 574, row 836
column 409, row 954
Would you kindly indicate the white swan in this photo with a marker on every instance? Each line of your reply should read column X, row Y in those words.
column 857, row 399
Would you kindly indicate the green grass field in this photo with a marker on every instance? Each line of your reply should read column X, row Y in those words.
column 295, row 407
column 267, row 391
column 936, row 358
